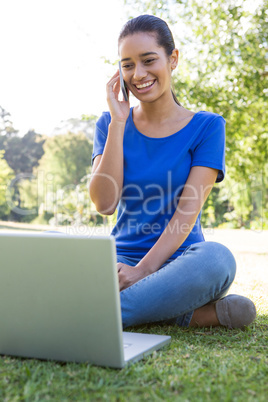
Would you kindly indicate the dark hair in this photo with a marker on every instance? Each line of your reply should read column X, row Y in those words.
column 155, row 25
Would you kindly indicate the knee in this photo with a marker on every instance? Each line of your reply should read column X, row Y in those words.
column 221, row 259
column 216, row 260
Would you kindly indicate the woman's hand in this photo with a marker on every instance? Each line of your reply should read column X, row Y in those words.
column 119, row 109
column 128, row 275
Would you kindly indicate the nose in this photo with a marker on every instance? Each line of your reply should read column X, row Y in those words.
column 140, row 72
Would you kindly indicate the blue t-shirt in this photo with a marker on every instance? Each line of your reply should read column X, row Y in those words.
column 155, row 172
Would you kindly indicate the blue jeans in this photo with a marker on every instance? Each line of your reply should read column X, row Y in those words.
column 202, row 274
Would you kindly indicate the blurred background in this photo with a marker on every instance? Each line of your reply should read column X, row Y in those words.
column 56, row 57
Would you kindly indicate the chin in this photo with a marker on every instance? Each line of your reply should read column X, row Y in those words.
column 147, row 98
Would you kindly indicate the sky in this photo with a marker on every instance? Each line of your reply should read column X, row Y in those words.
column 52, row 65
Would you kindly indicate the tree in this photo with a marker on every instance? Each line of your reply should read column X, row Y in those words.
column 66, row 162
column 23, row 153
column 6, row 126
column 6, row 175
column 67, row 158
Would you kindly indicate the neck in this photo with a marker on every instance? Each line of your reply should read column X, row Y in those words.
column 160, row 110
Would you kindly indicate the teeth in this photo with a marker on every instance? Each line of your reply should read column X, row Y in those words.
column 144, row 85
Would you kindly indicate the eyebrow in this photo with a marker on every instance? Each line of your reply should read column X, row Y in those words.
column 140, row 55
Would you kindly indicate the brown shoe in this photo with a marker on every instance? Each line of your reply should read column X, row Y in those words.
column 235, row 311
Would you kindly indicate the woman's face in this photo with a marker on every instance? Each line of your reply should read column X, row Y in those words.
column 146, row 67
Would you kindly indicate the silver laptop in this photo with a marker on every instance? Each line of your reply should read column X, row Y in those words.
column 59, row 300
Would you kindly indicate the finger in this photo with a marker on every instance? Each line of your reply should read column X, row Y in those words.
column 116, row 88
column 121, row 282
column 112, row 82
column 119, row 266
column 110, row 87
column 113, row 88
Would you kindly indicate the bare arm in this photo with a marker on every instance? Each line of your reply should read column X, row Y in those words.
column 107, row 173
column 197, row 188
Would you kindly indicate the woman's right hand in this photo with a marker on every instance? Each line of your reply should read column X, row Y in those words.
column 119, row 109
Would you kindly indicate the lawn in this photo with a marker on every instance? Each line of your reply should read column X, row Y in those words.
column 199, row 364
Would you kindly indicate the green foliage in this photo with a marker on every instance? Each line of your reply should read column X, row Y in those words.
column 6, row 126
column 59, row 189
column 66, row 160
column 23, row 153
column 229, row 66
column 231, row 80
column 6, row 175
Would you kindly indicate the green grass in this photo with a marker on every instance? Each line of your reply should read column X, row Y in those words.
column 199, row 365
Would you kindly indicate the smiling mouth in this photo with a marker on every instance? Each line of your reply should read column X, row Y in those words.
column 145, row 85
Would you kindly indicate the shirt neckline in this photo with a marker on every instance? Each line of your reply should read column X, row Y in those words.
column 160, row 138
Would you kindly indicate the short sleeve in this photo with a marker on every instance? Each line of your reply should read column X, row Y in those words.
column 100, row 135
column 210, row 151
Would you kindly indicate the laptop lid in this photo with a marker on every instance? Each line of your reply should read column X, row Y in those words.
column 59, row 298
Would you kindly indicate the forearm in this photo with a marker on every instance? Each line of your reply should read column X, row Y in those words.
column 195, row 193
column 170, row 240
column 107, row 179
column 173, row 236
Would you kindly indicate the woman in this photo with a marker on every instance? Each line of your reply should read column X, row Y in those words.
column 157, row 162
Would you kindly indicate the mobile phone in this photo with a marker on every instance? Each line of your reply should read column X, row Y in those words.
column 123, row 86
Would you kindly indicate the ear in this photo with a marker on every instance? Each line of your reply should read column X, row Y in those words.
column 174, row 59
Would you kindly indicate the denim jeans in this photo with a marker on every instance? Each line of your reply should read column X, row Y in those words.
column 202, row 274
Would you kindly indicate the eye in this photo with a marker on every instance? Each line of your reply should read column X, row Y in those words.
column 148, row 61
column 126, row 66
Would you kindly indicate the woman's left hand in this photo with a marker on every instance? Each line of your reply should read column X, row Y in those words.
column 128, row 275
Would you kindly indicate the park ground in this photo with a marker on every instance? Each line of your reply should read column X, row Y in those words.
column 212, row 364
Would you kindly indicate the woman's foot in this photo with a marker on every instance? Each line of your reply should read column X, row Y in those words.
column 232, row 311
column 205, row 316
column 235, row 311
